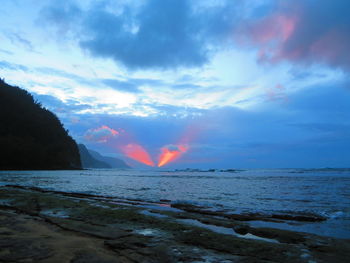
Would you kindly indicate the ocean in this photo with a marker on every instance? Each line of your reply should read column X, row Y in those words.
column 319, row 192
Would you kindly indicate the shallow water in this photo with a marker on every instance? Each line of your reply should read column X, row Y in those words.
column 322, row 192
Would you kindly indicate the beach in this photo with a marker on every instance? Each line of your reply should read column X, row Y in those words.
column 40, row 225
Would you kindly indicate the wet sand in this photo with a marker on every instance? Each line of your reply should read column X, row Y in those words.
column 49, row 226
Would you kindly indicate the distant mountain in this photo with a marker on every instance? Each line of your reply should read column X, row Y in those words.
column 113, row 162
column 32, row 137
column 88, row 161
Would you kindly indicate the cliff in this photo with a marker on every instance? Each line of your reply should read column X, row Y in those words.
column 32, row 137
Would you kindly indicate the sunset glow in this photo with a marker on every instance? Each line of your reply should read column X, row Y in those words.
column 137, row 153
column 171, row 153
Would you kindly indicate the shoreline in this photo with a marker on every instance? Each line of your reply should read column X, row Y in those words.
column 307, row 222
column 106, row 231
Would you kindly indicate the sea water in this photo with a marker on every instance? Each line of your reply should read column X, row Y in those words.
column 323, row 192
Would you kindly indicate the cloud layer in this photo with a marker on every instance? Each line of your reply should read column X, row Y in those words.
column 165, row 34
column 301, row 31
column 157, row 34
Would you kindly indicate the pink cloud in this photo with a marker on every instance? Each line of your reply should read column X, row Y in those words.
column 276, row 94
column 101, row 134
column 269, row 34
column 273, row 28
column 301, row 32
column 333, row 47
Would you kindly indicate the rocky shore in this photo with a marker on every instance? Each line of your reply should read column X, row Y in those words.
column 37, row 225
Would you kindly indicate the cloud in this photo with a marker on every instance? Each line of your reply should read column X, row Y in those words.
column 121, row 85
column 154, row 34
column 311, row 130
column 101, row 134
column 48, row 71
column 134, row 85
column 12, row 66
column 329, row 101
column 68, row 107
column 61, row 73
column 6, row 52
column 63, row 14
column 301, row 31
column 162, row 34
column 16, row 38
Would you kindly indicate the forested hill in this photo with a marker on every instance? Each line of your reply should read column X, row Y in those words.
column 93, row 159
column 87, row 161
column 32, row 137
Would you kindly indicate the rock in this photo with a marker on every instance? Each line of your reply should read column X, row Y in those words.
column 241, row 229
column 301, row 218
column 88, row 257
column 23, row 249
column 89, row 229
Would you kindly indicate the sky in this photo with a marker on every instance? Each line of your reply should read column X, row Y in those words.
column 181, row 83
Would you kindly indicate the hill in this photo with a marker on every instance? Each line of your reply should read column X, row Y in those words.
column 88, row 161
column 93, row 159
column 32, row 137
column 113, row 162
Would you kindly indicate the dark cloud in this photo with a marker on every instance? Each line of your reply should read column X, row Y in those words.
column 157, row 34
column 321, row 33
column 63, row 14
column 165, row 34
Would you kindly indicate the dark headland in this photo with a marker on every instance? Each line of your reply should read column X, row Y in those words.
column 31, row 136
